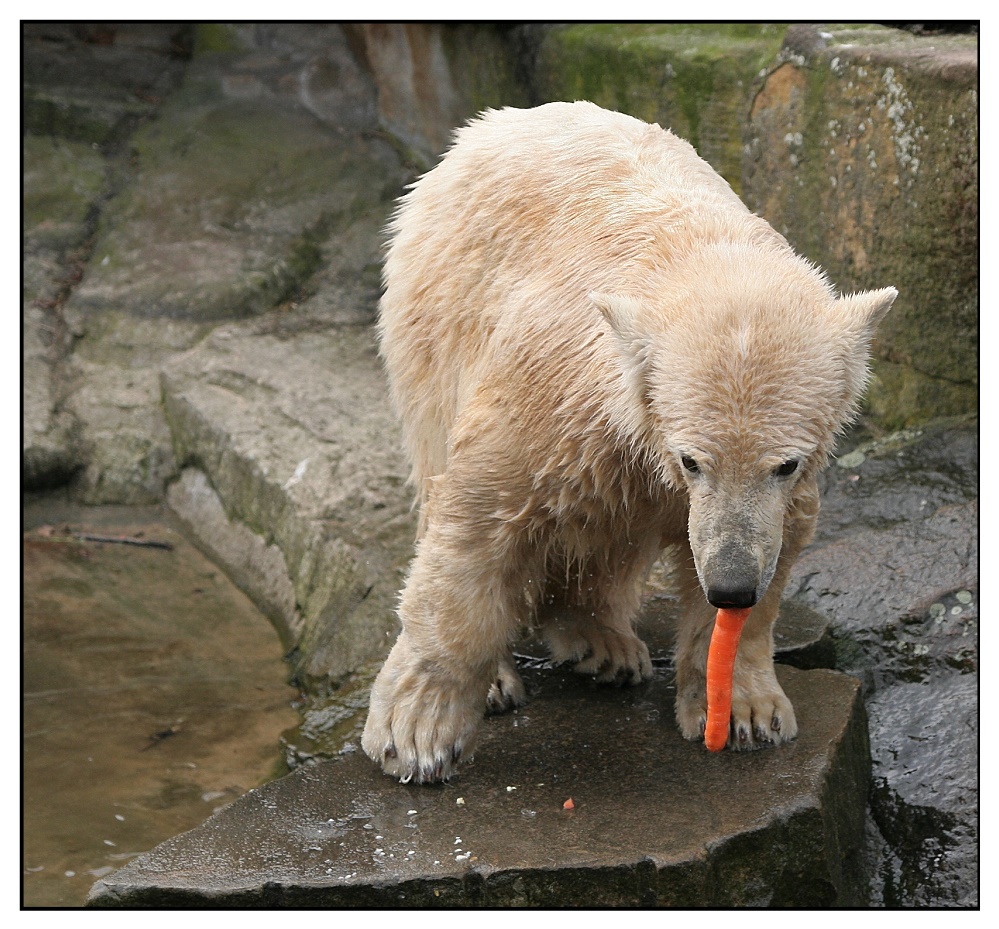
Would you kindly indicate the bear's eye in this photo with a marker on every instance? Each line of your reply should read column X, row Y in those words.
column 689, row 464
column 786, row 469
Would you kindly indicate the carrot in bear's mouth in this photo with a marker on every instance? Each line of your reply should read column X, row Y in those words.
column 721, row 664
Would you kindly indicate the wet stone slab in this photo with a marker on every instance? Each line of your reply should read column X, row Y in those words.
column 655, row 820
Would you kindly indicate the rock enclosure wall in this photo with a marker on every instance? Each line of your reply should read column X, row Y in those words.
column 198, row 297
column 859, row 143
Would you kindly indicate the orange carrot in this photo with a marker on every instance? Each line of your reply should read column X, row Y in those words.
column 721, row 664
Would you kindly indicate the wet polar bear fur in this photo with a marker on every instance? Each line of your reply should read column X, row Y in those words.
column 597, row 351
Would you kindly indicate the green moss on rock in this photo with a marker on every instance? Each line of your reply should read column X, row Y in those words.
column 216, row 38
column 61, row 183
column 864, row 153
column 696, row 80
column 900, row 396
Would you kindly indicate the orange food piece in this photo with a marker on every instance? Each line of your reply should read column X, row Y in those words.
column 568, row 805
column 721, row 664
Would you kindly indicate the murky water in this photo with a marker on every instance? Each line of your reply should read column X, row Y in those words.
column 153, row 692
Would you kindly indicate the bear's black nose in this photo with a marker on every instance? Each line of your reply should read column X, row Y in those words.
column 732, row 599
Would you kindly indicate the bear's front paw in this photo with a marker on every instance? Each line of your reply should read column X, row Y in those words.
column 761, row 717
column 419, row 724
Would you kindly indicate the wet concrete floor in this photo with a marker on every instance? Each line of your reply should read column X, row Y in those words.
column 154, row 693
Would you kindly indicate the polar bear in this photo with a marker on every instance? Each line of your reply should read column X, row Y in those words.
column 597, row 351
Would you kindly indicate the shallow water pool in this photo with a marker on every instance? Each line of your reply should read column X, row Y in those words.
column 154, row 693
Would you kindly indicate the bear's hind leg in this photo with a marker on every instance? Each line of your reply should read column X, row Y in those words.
column 588, row 620
column 507, row 689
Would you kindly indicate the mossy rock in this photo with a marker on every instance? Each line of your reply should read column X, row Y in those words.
column 900, row 396
column 863, row 150
column 229, row 206
column 694, row 79
column 61, row 183
column 483, row 63
column 858, row 143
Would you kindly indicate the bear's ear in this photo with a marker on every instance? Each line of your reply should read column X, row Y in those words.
column 634, row 345
column 861, row 313
column 623, row 314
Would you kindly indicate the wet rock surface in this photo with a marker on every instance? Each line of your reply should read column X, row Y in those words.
column 197, row 310
column 654, row 820
column 899, row 584
column 924, row 791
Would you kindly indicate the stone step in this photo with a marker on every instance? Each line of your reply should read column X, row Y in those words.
column 291, row 451
column 656, row 820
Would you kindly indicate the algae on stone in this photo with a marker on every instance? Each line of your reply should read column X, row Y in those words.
column 228, row 212
column 865, row 154
column 694, row 79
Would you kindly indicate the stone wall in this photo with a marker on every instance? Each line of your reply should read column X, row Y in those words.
column 859, row 143
column 863, row 149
